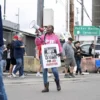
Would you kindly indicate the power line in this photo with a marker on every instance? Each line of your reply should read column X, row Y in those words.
column 80, row 4
column 61, row 2
column 85, row 10
column 87, row 14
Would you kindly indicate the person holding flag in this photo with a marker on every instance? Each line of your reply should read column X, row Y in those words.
column 3, row 95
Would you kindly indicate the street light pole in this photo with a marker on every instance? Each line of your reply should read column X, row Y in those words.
column 18, row 24
column 77, row 16
column 77, row 20
column 4, row 10
column 82, row 12
column 18, row 17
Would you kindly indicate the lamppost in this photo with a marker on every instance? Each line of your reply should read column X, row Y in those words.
column 4, row 10
column 82, row 12
column 18, row 24
column 77, row 22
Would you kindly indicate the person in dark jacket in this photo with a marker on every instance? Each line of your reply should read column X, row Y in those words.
column 78, row 56
column 18, row 54
column 13, row 60
column 21, row 41
column 8, row 57
column 3, row 95
column 90, row 49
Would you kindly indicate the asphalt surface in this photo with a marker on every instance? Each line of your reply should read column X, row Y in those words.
column 84, row 87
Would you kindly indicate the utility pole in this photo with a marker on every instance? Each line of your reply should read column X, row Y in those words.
column 40, row 7
column 82, row 12
column 4, row 10
column 77, row 22
column 67, row 15
column 18, row 24
column 18, row 18
column 72, row 18
column 56, row 1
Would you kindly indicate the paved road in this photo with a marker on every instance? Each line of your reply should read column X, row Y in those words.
column 80, row 88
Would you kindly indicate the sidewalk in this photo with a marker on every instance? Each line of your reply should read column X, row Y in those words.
column 32, row 79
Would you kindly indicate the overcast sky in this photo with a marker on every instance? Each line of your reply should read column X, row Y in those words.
column 28, row 12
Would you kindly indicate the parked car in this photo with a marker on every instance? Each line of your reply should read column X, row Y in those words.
column 85, row 48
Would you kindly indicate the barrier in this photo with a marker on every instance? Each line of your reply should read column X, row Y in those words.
column 88, row 64
column 31, row 64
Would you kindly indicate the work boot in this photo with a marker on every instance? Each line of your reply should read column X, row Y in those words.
column 72, row 75
column 58, row 85
column 46, row 88
column 67, row 76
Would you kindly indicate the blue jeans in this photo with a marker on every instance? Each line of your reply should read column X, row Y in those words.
column 21, row 70
column 19, row 66
column 22, row 65
column 3, row 95
column 3, row 65
column 78, row 63
column 45, row 71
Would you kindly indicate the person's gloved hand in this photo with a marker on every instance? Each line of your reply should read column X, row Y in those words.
column 37, row 34
column 60, row 54
column 41, row 29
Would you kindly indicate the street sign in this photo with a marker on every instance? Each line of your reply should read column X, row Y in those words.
column 87, row 30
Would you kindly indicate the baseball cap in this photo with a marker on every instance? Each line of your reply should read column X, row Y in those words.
column 15, row 37
column 70, row 39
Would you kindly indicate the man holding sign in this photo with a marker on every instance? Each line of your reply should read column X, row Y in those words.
column 48, row 54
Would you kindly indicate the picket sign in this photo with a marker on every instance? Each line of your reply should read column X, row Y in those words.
column 49, row 56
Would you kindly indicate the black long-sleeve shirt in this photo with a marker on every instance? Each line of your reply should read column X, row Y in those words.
column 78, row 52
column 90, row 51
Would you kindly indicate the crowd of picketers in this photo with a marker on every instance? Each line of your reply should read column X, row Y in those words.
column 15, row 51
column 13, row 57
column 72, row 54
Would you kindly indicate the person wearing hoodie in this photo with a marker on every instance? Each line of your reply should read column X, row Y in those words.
column 13, row 60
column 49, row 38
column 38, row 52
